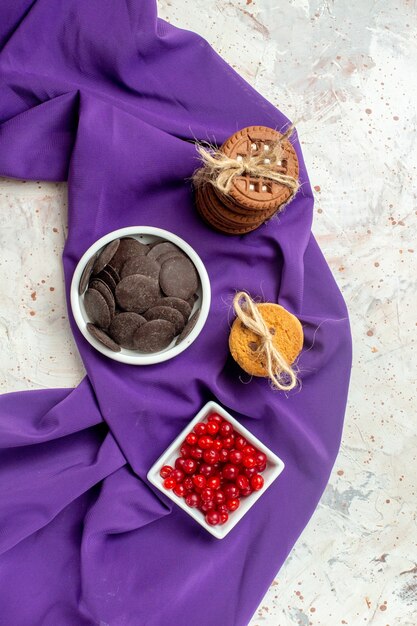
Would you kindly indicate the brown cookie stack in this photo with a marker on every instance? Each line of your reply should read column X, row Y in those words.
column 251, row 200
column 139, row 297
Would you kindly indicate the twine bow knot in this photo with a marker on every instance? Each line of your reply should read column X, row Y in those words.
column 280, row 373
column 220, row 170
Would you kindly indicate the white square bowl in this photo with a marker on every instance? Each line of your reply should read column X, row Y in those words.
column 274, row 467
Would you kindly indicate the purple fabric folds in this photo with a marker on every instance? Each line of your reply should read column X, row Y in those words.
column 109, row 97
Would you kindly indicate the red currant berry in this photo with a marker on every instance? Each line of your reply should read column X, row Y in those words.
column 214, row 417
column 260, row 459
column 242, row 482
column 223, row 517
column 246, row 492
column 191, row 439
column 207, row 470
column 233, row 504
column 213, row 428
column 235, row 457
column 166, row 471
column 249, row 461
column 224, row 455
column 185, row 450
column 240, row 442
column 222, row 508
column 193, row 500
column 249, row 451
column 200, row 429
column 179, row 491
column 219, row 497
column 257, row 482
column 189, row 466
column 217, row 445
column 188, row 483
column 250, row 471
column 169, row 483
column 231, row 491
column 207, row 494
column 196, row 453
column 207, row 506
column 230, row 472
column 261, row 468
column 214, row 482
column 177, row 475
column 179, row 462
column 213, row 518
column 228, row 442
column 211, row 456
column 205, row 442
column 199, row 481
column 226, row 429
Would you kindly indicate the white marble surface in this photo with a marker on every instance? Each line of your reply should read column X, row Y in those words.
column 345, row 71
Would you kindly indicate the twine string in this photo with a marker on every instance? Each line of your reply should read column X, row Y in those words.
column 220, row 170
column 280, row 373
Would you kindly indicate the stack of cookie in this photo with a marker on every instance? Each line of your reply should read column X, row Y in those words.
column 251, row 200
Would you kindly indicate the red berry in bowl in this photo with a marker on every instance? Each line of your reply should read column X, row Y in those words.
column 217, row 445
column 213, row 428
column 226, row 429
column 193, row 500
column 250, row 471
column 199, row 481
column 207, row 506
column 249, row 461
column 205, row 442
column 249, row 451
column 219, row 497
column 233, row 504
column 231, row 491
column 214, row 417
column 222, row 508
column 196, row 453
column 165, row 471
column 235, row 457
column 200, row 429
column 213, row 518
column 185, row 450
column 242, row 482
column 189, row 466
column 257, row 482
column 207, row 470
column 191, row 439
column 213, row 482
column 179, row 490
column 246, row 492
column 211, row 456
column 169, row 483
column 207, row 494
column 228, row 442
column 240, row 442
column 224, row 455
column 260, row 459
column 261, row 468
column 230, row 472
column 177, row 475
column 223, row 517
column 188, row 483
column 179, row 462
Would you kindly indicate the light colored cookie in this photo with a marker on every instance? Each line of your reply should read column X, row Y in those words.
column 287, row 338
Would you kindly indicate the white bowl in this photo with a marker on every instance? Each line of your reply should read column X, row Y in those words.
column 144, row 234
column 274, row 467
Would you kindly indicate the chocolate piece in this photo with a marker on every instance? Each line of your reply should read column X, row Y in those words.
column 96, row 308
column 106, row 256
column 86, row 275
column 105, row 291
column 178, row 278
column 154, row 336
column 137, row 293
column 113, row 273
column 169, row 255
column 107, row 278
column 189, row 327
column 141, row 265
column 128, row 247
column 102, row 337
column 166, row 313
column 176, row 303
column 162, row 248
column 123, row 328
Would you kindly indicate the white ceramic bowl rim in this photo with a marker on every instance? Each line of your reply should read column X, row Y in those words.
column 141, row 358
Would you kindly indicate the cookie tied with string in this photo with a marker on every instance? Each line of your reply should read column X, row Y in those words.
column 265, row 340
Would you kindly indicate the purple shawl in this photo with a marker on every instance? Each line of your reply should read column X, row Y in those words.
column 105, row 95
